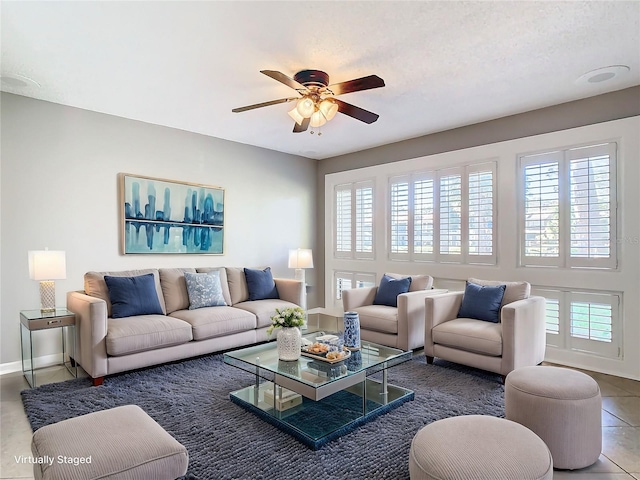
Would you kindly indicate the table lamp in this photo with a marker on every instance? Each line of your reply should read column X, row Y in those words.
column 300, row 259
column 47, row 266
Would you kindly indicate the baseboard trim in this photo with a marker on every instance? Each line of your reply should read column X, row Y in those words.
column 38, row 362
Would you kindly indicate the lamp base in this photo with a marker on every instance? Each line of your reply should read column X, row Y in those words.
column 47, row 296
column 299, row 275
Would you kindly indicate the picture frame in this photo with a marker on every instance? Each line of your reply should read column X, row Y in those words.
column 161, row 216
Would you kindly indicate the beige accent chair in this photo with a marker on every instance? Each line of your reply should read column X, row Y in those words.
column 518, row 340
column 401, row 327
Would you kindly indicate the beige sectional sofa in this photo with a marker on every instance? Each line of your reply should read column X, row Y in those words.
column 107, row 345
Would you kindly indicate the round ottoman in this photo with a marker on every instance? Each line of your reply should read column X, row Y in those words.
column 563, row 407
column 478, row 447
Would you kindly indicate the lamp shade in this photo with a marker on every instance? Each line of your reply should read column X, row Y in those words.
column 301, row 258
column 305, row 107
column 47, row 265
column 296, row 116
column 329, row 108
column 317, row 119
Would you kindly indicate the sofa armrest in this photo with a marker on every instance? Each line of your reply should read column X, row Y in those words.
column 411, row 319
column 91, row 332
column 290, row 290
column 358, row 297
column 523, row 333
column 439, row 309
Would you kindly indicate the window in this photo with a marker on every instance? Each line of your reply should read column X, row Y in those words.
column 450, row 209
column 585, row 322
column 399, row 217
column 343, row 220
column 423, row 233
column 481, row 213
column 354, row 220
column 569, row 208
column 446, row 215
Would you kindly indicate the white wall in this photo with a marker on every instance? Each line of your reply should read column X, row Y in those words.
column 60, row 190
column 626, row 279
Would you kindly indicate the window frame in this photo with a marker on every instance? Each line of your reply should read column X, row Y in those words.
column 354, row 232
column 563, row 157
column 565, row 340
column 435, row 177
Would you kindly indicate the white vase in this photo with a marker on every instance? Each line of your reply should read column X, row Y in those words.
column 289, row 342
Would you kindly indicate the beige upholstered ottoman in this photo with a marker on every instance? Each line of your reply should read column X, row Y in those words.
column 563, row 407
column 120, row 443
column 478, row 447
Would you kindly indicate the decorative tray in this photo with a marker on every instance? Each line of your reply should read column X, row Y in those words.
column 323, row 356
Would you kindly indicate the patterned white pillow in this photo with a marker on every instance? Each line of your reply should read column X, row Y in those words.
column 204, row 289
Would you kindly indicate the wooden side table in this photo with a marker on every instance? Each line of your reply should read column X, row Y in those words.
column 35, row 320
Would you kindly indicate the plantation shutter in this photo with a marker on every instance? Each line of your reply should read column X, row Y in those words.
column 399, row 218
column 364, row 220
column 480, row 214
column 592, row 206
column 423, row 217
column 450, row 215
column 541, row 235
column 343, row 281
column 595, row 325
column 570, row 207
column 343, row 221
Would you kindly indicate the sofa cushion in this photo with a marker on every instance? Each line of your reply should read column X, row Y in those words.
column 389, row 289
column 238, row 290
column 471, row 335
column 482, row 302
column 210, row 322
column 515, row 290
column 133, row 296
column 224, row 282
column 174, row 288
column 418, row 282
column 264, row 309
column 95, row 286
column 145, row 332
column 260, row 284
column 379, row 318
column 204, row 290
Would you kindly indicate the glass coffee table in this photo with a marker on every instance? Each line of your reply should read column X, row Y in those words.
column 316, row 401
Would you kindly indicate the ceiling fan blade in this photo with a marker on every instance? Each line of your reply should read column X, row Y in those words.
column 356, row 112
column 364, row 83
column 301, row 128
column 282, row 78
column 264, row 104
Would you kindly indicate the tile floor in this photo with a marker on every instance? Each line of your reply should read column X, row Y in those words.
column 620, row 457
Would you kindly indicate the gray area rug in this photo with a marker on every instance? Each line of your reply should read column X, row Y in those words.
column 190, row 399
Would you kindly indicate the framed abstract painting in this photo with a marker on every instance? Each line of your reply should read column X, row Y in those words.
column 166, row 216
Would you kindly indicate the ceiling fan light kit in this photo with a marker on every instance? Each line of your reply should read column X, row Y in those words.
column 317, row 104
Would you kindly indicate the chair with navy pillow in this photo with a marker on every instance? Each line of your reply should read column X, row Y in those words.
column 392, row 313
column 494, row 326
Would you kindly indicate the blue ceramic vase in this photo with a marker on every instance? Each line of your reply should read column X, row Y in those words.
column 351, row 330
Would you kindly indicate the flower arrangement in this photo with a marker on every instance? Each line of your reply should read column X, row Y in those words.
column 286, row 317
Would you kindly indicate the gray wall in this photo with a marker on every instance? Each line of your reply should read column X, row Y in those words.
column 603, row 108
column 59, row 168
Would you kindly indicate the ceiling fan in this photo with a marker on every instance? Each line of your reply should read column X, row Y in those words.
column 316, row 103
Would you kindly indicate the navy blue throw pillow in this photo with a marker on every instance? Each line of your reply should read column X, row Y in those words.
column 482, row 302
column 260, row 284
column 133, row 296
column 389, row 290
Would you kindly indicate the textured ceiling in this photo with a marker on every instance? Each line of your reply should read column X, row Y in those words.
column 187, row 64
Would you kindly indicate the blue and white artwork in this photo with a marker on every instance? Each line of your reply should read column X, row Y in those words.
column 163, row 216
